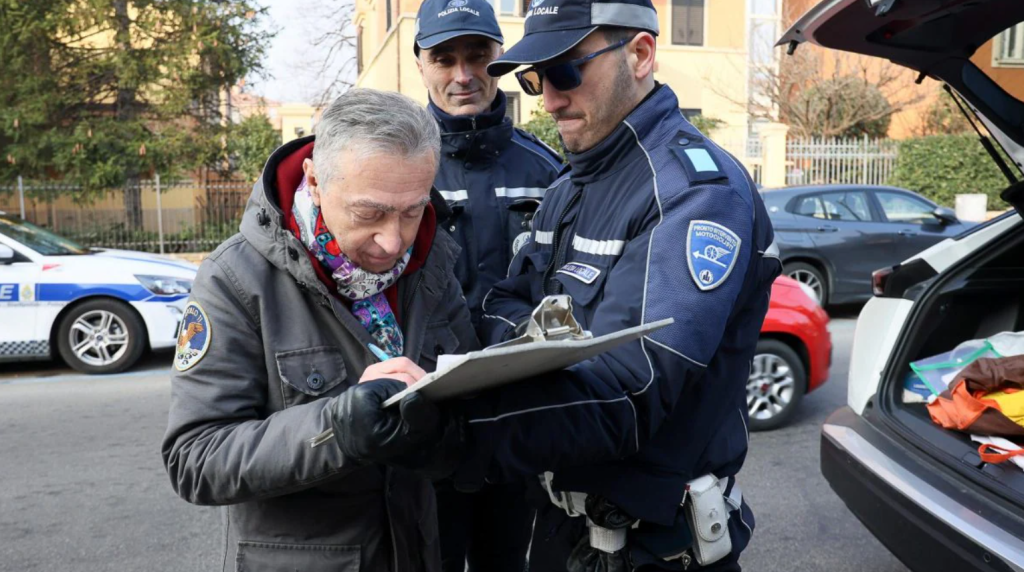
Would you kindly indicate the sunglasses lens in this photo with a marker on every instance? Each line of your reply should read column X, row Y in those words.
column 563, row 77
column 531, row 81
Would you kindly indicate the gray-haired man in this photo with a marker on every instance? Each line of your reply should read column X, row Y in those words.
column 338, row 252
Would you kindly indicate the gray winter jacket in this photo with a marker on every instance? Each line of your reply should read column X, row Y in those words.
column 252, row 384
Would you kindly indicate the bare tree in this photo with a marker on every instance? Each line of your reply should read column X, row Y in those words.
column 334, row 39
column 821, row 93
column 818, row 92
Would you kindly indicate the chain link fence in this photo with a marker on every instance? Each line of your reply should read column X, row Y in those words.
column 184, row 216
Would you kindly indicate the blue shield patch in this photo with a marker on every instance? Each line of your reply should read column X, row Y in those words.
column 711, row 252
column 193, row 337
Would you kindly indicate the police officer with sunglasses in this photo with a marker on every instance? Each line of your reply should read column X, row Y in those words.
column 493, row 177
column 638, row 449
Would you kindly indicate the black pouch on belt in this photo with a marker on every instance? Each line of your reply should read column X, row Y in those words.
column 653, row 547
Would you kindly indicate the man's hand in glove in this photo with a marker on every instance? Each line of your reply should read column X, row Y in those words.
column 415, row 435
column 367, row 432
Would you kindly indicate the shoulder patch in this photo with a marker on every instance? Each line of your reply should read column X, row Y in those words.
column 711, row 252
column 701, row 166
column 194, row 337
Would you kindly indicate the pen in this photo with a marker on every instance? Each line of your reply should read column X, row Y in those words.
column 329, row 434
column 381, row 354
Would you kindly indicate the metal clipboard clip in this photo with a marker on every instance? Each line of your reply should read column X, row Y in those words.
column 551, row 320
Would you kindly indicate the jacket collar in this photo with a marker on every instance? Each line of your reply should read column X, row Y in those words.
column 481, row 137
column 620, row 147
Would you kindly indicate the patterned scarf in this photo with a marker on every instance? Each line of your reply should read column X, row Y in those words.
column 365, row 289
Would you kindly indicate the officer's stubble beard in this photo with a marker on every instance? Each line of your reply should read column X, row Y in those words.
column 607, row 116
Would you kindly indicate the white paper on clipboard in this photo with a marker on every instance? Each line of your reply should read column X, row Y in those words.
column 499, row 365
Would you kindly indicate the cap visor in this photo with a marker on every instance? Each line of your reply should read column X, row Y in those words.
column 437, row 39
column 537, row 47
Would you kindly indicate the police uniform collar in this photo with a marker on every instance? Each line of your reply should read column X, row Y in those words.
column 462, row 123
column 620, row 147
column 479, row 139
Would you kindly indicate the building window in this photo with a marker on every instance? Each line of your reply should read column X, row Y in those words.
column 505, row 7
column 512, row 106
column 689, row 114
column 524, row 6
column 387, row 11
column 1009, row 48
column 688, row 22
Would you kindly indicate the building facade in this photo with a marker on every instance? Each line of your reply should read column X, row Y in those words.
column 702, row 55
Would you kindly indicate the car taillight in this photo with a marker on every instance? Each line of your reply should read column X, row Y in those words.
column 879, row 278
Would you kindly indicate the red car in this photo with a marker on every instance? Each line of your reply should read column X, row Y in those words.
column 792, row 357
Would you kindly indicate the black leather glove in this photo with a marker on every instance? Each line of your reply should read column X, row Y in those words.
column 416, row 435
column 366, row 432
column 606, row 514
column 585, row 558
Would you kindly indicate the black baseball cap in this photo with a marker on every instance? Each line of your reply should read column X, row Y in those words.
column 554, row 27
column 441, row 20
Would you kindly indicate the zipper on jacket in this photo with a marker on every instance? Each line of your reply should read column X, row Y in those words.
column 559, row 253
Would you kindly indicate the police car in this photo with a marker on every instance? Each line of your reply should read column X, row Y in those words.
column 97, row 309
column 926, row 492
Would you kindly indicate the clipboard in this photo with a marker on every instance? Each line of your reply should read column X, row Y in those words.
column 552, row 341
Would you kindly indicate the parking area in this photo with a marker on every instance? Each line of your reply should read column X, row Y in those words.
column 84, row 487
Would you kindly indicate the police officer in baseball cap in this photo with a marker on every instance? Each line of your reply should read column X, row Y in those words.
column 493, row 177
column 639, row 448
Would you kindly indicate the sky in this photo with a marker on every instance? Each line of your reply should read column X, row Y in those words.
column 292, row 59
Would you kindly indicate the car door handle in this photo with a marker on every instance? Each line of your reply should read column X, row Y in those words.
column 827, row 228
column 906, row 232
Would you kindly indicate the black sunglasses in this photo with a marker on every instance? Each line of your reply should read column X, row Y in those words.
column 564, row 76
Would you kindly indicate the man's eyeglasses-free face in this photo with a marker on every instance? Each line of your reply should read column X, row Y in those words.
column 564, row 76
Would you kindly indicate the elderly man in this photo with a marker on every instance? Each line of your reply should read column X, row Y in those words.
column 493, row 176
column 338, row 261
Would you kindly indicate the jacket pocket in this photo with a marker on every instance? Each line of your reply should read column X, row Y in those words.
column 309, row 373
column 519, row 223
column 274, row 556
column 584, row 281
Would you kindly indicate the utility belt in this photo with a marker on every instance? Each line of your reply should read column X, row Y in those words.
column 707, row 504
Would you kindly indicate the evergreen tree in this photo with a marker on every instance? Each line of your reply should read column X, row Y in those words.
column 102, row 92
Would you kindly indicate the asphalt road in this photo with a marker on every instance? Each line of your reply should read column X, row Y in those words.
column 82, row 486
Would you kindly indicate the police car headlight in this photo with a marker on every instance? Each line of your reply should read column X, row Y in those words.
column 165, row 285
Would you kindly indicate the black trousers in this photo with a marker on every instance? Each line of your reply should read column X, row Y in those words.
column 488, row 529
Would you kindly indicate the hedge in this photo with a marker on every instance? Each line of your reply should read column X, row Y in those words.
column 943, row 166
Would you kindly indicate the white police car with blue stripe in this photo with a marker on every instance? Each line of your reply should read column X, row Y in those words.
column 98, row 309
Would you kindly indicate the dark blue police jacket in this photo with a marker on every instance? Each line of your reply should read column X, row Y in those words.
column 493, row 177
column 654, row 222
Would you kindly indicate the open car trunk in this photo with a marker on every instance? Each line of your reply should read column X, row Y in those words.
column 981, row 296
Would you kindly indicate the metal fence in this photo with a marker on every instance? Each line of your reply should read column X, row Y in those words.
column 152, row 215
column 193, row 216
column 839, row 161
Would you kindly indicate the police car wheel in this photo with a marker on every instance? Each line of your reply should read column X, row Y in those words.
column 101, row 336
column 811, row 276
column 776, row 385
